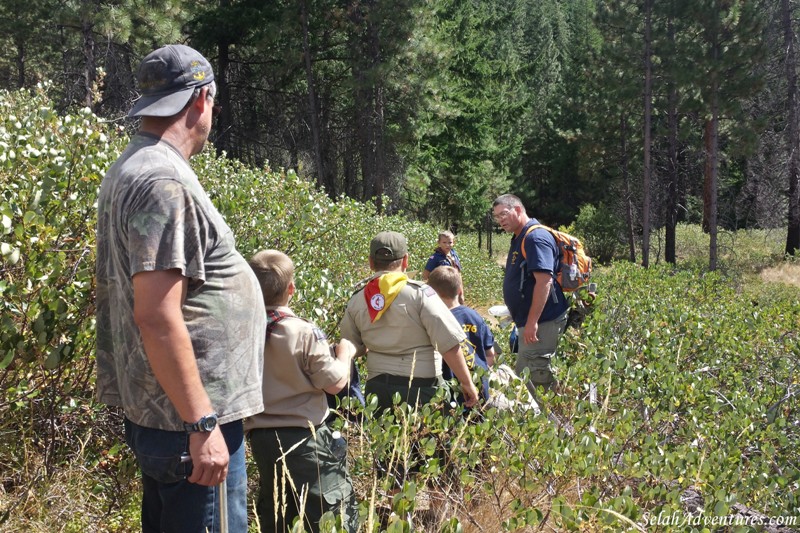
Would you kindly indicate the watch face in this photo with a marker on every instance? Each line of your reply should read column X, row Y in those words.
column 208, row 423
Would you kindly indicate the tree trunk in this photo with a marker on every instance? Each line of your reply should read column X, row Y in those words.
column 672, row 171
column 365, row 137
column 370, row 106
column 90, row 65
column 793, row 134
column 707, row 173
column 380, row 147
column 224, row 120
column 20, row 43
column 631, row 234
column 648, row 112
column 377, row 123
column 710, row 188
column 312, row 102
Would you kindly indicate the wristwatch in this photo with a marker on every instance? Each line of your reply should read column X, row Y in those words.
column 206, row 424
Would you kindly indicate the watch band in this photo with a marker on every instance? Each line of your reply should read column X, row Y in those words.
column 206, row 424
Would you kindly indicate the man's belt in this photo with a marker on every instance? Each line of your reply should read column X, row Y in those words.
column 391, row 379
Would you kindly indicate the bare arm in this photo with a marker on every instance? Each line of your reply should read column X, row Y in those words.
column 345, row 350
column 158, row 297
column 455, row 360
column 490, row 355
column 541, row 291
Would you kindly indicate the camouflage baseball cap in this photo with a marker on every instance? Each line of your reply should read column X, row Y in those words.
column 167, row 77
column 388, row 246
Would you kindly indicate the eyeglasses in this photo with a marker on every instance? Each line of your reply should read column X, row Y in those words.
column 502, row 215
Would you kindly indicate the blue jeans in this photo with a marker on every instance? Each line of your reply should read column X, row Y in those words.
column 170, row 504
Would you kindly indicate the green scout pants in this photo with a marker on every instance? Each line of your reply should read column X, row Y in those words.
column 316, row 476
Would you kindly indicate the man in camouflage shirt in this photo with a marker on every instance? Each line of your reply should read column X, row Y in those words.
column 180, row 318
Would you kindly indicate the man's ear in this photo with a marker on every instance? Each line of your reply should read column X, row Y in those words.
column 405, row 262
column 201, row 101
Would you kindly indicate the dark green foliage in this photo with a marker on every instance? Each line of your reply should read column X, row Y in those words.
column 601, row 232
column 694, row 365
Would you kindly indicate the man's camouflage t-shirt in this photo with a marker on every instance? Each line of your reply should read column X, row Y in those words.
column 153, row 214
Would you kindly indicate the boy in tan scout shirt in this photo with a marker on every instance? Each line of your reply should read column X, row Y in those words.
column 300, row 367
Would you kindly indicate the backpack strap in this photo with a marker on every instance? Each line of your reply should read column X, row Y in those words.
column 524, row 262
column 530, row 229
column 273, row 317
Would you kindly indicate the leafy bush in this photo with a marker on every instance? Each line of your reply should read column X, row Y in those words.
column 697, row 376
column 600, row 230
column 50, row 170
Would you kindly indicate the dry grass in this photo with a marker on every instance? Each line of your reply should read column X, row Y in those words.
column 71, row 501
column 787, row 273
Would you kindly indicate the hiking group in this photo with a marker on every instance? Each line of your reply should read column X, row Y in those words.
column 201, row 349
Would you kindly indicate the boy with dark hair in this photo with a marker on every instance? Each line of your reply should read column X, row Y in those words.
column 290, row 438
column 446, row 281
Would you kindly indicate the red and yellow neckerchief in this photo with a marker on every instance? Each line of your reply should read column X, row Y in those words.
column 380, row 292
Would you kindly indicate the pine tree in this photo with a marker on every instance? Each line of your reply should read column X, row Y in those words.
column 792, row 129
column 728, row 42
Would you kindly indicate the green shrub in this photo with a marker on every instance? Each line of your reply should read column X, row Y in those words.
column 600, row 230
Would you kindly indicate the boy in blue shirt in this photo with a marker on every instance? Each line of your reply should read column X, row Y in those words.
column 446, row 281
column 443, row 255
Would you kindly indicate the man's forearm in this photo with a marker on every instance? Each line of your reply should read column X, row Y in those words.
column 541, row 291
column 171, row 357
column 455, row 360
column 158, row 297
column 158, row 301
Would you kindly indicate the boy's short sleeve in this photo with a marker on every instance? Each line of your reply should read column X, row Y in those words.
column 435, row 261
column 321, row 365
column 348, row 328
column 486, row 335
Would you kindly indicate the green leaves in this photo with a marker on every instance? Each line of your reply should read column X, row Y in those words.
column 47, row 227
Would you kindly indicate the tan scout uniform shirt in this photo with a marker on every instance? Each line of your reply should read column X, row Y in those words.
column 412, row 332
column 298, row 363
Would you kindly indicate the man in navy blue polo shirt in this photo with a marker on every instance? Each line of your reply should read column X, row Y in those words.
column 531, row 293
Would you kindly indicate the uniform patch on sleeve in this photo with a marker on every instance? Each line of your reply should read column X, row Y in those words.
column 319, row 334
column 428, row 290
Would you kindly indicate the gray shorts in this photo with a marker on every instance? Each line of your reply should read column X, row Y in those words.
column 536, row 357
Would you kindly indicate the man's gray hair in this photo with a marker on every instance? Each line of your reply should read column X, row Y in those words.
column 212, row 92
column 508, row 200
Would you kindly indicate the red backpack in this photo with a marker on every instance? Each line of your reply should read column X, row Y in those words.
column 574, row 266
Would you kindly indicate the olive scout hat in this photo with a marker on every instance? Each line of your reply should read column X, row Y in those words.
column 388, row 246
column 167, row 78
